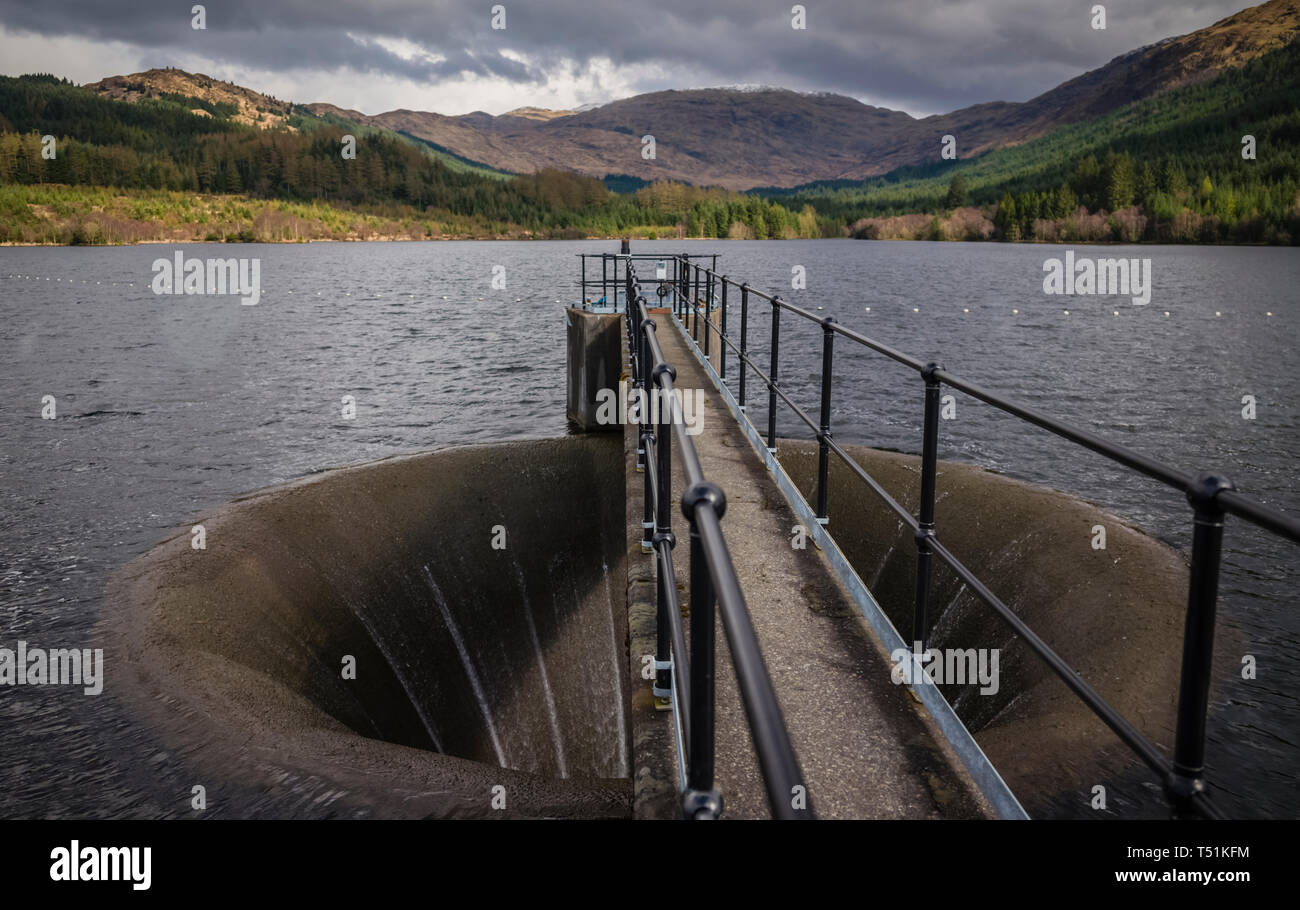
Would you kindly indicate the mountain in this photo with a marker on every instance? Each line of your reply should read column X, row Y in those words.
column 718, row 137
column 1170, row 168
column 746, row 137
column 240, row 105
column 742, row 137
column 1145, row 148
column 175, row 163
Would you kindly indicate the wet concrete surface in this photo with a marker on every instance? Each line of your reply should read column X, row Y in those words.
column 490, row 681
column 867, row 749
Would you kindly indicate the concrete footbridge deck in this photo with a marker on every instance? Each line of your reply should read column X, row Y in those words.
column 789, row 663
column 867, row 748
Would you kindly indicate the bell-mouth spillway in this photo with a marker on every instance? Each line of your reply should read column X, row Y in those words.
column 436, row 635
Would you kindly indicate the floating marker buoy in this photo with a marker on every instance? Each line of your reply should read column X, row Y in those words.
column 1117, row 312
column 1268, row 314
column 1217, row 313
column 965, row 310
column 1066, row 312
column 915, row 310
column 868, row 309
column 1015, row 312
column 1166, row 312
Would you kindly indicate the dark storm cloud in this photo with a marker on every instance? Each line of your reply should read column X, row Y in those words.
column 920, row 54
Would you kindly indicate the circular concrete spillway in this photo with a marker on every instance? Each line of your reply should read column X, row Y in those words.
column 1115, row 614
column 477, row 591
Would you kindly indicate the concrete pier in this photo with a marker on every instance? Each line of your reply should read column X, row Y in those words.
column 867, row 748
column 827, row 624
column 594, row 352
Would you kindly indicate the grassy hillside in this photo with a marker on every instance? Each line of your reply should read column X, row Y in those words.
column 1167, row 168
column 155, row 150
column 1177, row 158
column 306, row 120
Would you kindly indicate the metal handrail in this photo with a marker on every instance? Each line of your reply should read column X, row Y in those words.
column 713, row 583
column 610, row 285
column 1211, row 497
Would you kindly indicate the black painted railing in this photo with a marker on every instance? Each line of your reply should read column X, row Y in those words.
column 689, row 680
column 1211, row 496
column 612, row 279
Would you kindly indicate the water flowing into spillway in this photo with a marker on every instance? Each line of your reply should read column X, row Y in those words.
column 420, row 630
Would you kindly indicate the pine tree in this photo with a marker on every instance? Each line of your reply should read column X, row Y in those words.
column 957, row 192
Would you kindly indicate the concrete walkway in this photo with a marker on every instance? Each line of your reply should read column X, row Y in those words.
column 867, row 748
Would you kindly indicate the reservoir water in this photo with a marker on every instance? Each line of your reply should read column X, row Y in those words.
column 171, row 405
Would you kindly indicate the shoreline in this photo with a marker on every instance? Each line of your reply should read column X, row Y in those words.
column 593, row 239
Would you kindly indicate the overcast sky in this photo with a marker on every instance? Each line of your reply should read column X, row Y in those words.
column 921, row 56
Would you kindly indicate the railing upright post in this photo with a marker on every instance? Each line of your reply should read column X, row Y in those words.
column 639, row 366
column 684, row 290
column 771, row 392
column 824, row 430
column 663, row 535
column 700, row 799
column 647, row 428
column 1188, row 778
column 722, row 344
column 708, row 313
column 664, row 450
column 695, row 308
column 744, row 339
column 628, row 297
column 929, row 471
column 633, row 349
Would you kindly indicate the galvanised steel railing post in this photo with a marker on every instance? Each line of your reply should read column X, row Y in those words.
column 771, row 390
column 1188, row 778
column 925, row 531
column 701, row 800
column 824, row 430
column 722, row 345
column 744, row 338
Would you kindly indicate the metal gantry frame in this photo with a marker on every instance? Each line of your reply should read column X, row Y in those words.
column 690, row 675
column 612, row 282
column 1210, row 495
